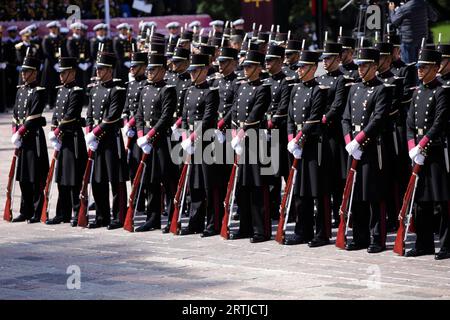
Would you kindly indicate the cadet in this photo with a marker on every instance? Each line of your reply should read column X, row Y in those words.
column 363, row 124
column 153, row 119
column 338, row 84
column 104, row 138
column 248, row 115
column 78, row 47
column 28, row 136
column 308, row 103
column 292, row 52
column 348, row 66
column 200, row 107
column 67, row 137
column 277, row 115
column 426, row 132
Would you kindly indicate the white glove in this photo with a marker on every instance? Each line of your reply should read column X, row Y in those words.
column 142, row 141
column 357, row 154
column 176, row 132
column 129, row 132
column 52, row 137
column 297, row 153
column 235, row 142
column 90, row 137
column 186, row 143
column 239, row 149
column 56, row 145
column 146, row 148
column 292, row 146
column 56, row 66
column 16, row 140
column 219, row 136
column 352, row 146
column 419, row 159
column 93, row 145
column 2, row 65
column 127, row 64
column 414, row 152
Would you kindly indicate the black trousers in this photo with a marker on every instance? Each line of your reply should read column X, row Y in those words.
column 423, row 224
column 369, row 223
column 68, row 202
column 306, row 220
column 155, row 203
column 337, row 194
column 275, row 197
column 32, row 199
column 204, row 203
column 254, row 211
column 100, row 191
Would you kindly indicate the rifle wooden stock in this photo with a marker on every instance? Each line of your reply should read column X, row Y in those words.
column 84, row 199
column 225, row 230
column 129, row 219
column 48, row 183
column 341, row 234
column 399, row 245
column 175, row 227
column 279, row 237
column 7, row 214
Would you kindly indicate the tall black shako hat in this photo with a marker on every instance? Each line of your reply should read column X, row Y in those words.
column 308, row 58
column 430, row 57
column 156, row 60
column 198, row 61
column 253, row 57
column 67, row 63
column 367, row 55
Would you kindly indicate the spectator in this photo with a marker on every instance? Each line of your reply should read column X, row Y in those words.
column 412, row 20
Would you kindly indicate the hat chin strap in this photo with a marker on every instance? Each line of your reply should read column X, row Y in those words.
column 301, row 77
column 443, row 68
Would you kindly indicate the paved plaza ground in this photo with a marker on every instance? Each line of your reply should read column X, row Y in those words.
column 43, row 262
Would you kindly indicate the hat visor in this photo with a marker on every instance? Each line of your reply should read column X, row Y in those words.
column 421, row 63
column 154, row 66
column 178, row 59
column 103, row 65
column 137, row 63
column 272, row 57
column 305, row 63
column 64, row 69
column 195, row 67
column 363, row 61
column 224, row 58
column 328, row 54
column 249, row 63
column 27, row 68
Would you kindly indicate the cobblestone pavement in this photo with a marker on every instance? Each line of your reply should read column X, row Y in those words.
column 34, row 260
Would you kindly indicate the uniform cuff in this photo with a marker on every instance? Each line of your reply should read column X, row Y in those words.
column 140, row 133
column 22, row 130
column 184, row 136
column 290, row 137
column 178, row 123
column 241, row 133
column 269, row 124
column 56, row 131
column 88, row 129
column 193, row 136
column 324, row 119
column 360, row 137
column 299, row 135
column 424, row 141
column 151, row 133
column 347, row 138
column 14, row 129
column 97, row 131
column 131, row 122
column 221, row 124
column 411, row 144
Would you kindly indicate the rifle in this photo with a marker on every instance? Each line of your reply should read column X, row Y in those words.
column 48, row 187
column 286, row 202
column 175, row 225
column 341, row 237
column 84, row 195
column 408, row 200
column 10, row 187
column 231, row 192
column 137, row 185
